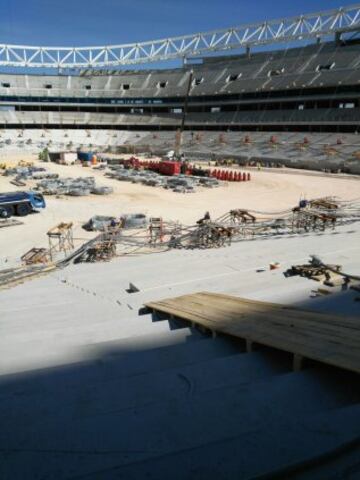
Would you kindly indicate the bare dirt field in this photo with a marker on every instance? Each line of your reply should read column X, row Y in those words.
column 268, row 190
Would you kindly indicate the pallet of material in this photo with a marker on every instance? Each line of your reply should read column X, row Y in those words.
column 319, row 273
column 18, row 183
column 36, row 255
column 329, row 339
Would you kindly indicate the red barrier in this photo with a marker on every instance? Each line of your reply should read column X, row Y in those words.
column 231, row 177
column 244, row 177
column 248, row 177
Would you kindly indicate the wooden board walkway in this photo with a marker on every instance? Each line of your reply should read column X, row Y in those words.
column 317, row 336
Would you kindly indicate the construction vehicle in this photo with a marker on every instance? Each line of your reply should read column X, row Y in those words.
column 21, row 203
column 3, row 213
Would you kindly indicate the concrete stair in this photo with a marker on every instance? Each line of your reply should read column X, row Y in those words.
column 185, row 424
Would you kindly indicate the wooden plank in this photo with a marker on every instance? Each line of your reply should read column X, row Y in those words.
column 292, row 312
column 326, row 338
column 323, row 328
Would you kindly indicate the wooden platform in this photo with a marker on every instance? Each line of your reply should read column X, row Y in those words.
column 325, row 338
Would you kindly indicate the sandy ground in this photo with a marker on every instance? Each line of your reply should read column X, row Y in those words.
column 269, row 191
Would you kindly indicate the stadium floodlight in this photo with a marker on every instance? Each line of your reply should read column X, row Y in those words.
column 303, row 27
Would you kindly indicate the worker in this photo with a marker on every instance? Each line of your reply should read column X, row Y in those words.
column 206, row 218
column 303, row 203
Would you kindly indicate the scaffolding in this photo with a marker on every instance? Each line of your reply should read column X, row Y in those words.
column 156, row 230
column 61, row 239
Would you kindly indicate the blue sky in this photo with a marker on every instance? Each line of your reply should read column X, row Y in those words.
column 101, row 22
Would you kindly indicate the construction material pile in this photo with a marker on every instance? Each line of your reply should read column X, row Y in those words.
column 327, row 274
column 28, row 172
column 101, row 223
column 78, row 187
column 177, row 183
column 310, row 216
column 238, row 224
column 98, row 223
column 102, row 250
column 22, row 174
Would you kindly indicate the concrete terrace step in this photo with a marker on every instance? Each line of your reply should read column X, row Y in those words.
column 270, row 412
column 105, row 395
column 269, row 453
column 86, row 330
column 228, row 267
column 105, row 361
column 23, row 356
column 114, row 280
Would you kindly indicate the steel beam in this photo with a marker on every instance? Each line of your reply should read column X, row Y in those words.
column 316, row 25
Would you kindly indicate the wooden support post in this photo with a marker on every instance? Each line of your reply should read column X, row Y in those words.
column 249, row 346
column 297, row 362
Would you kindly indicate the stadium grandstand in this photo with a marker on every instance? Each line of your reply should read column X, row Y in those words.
column 158, row 319
column 307, row 80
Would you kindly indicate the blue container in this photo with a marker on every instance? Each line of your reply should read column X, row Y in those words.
column 85, row 156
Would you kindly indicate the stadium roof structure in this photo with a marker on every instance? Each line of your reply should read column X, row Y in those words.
column 302, row 27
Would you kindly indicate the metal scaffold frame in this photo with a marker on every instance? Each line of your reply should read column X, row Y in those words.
column 302, row 27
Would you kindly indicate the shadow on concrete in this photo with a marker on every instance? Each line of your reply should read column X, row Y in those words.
column 196, row 408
